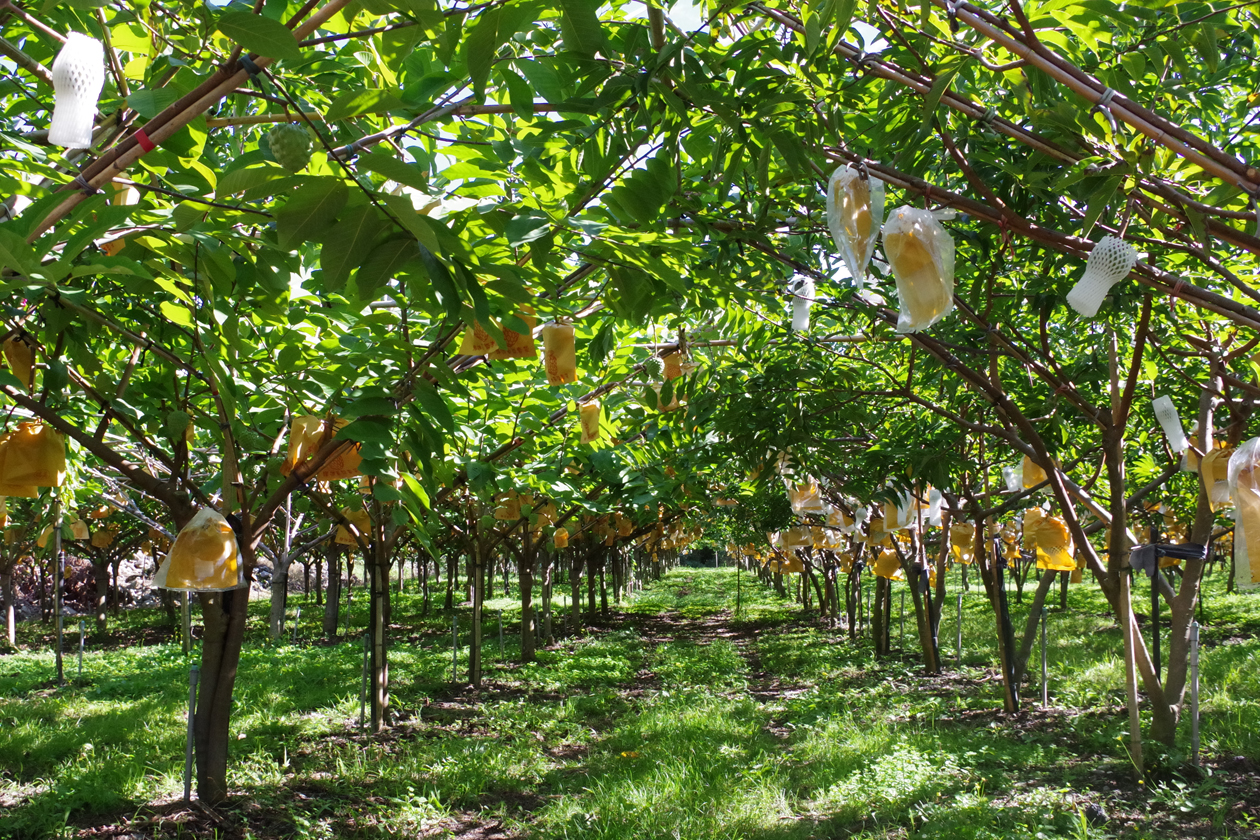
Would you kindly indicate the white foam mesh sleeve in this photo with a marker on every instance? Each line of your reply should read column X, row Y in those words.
column 1166, row 414
column 1110, row 262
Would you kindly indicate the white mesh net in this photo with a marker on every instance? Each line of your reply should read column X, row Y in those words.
column 1013, row 477
column 921, row 254
column 1166, row 414
column 1110, row 262
column 855, row 210
column 1244, row 486
column 78, row 75
column 800, row 305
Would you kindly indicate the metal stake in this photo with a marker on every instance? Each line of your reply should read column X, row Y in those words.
column 501, row 655
column 296, row 619
column 193, row 674
column 59, row 587
column 1155, row 619
column 960, row 623
column 81, row 623
column 186, row 614
column 901, row 618
column 1045, row 689
column 1194, row 692
column 364, row 683
column 454, row 648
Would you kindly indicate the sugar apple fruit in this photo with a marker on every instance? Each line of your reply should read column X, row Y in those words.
column 290, row 145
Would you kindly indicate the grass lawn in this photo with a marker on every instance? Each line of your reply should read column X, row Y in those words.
column 676, row 718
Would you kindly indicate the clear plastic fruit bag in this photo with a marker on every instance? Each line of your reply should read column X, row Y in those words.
column 855, row 210
column 921, row 254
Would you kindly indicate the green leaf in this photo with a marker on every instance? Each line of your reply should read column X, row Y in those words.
column 260, row 35
column 416, row 223
column 443, row 282
column 150, row 103
column 347, row 244
column 239, row 180
column 359, row 102
column 1099, row 200
column 493, row 29
column 580, row 27
column 434, row 406
column 383, row 163
column 15, row 253
column 385, row 262
column 310, row 210
column 176, row 313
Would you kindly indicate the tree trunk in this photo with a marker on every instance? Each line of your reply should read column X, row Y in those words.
column 279, row 596
column 575, row 589
column 479, row 581
column 378, row 579
column 223, row 616
column 547, row 570
column 880, row 625
column 100, row 571
column 525, row 570
column 991, row 574
column 1031, row 624
column 10, row 607
column 603, row 586
column 590, row 585
column 332, row 604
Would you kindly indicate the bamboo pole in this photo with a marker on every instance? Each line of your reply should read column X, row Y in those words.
column 263, row 119
column 166, row 124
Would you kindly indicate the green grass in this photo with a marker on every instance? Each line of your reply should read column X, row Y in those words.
column 678, row 719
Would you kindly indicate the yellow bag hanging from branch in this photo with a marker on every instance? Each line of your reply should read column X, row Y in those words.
column 307, row 434
column 518, row 345
column 659, row 404
column 509, row 507
column 204, row 558
column 1214, row 470
column 1033, row 474
column 855, row 210
column 559, row 353
column 962, row 542
column 672, row 365
column 876, row 534
column 1244, row 484
column 79, row 530
column 921, row 255
column 888, row 566
column 1049, row 536
column 103, row 538
column 561, row 538
column 31, row 456
column 476, row 341
column 805, row 497
column 20, row 355
column 588, row 419
column 360, row 524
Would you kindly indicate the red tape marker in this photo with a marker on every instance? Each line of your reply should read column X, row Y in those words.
column 144, row 141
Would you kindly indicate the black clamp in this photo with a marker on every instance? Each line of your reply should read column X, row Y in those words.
column 84, row 186
column 255, row 72
column 1145, row 558
column 1104, row 104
